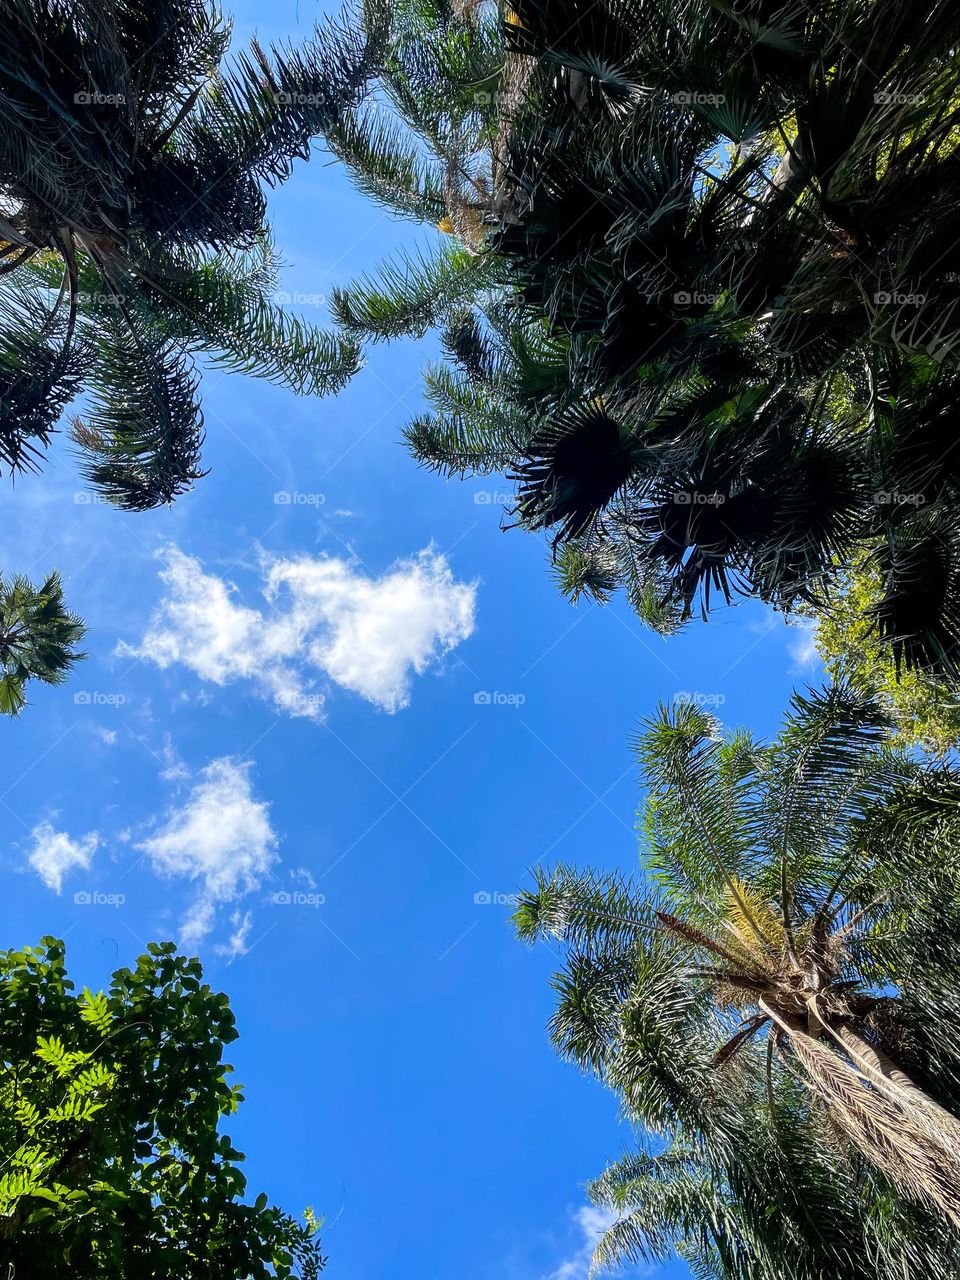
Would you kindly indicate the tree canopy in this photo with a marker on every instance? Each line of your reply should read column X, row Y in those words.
column 925, row 708
column 701, row 299
column 133, row 234
column 112, row 1159
column 39, row 638
column 775, row 1001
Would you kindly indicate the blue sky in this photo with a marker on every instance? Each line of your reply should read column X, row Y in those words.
column 331, row 715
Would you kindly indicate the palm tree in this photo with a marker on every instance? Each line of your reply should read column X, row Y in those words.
column 776, row 1003
column 702, row 298
column 38, row 638
column 133, row 233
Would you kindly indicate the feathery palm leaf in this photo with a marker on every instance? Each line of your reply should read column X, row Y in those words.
column 132, row 173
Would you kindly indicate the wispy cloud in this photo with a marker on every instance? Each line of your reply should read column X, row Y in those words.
column 802, row 647
column 222, row 838
column 237, row 943
column 55, row 853
column 324, row 622
column 590, row 1224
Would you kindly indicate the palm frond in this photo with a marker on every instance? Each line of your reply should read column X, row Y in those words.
column 409, row 295
column 142, row 434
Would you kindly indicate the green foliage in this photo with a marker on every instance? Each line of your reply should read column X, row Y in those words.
column 925, row 709
column 134, row 237
column 775, row 1003
column 410, row 296
column 710, row 255
column 112, row 1163
column 38, row 638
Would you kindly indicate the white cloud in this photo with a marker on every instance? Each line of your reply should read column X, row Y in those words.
column 591, row 1223
column 174, row 769
column 221, row 838
column 237, row 944
column 324, row 621
column 802, row 647
column 54, row 853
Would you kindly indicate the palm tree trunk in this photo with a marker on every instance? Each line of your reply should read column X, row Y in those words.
column 877, row 1062
column 900, row 1130
column 517, row 72
column 884, row 1074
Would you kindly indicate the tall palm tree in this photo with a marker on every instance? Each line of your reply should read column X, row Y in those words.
column 776, row 1002
column 133, row 233
column 38, row 638
column 701, row 301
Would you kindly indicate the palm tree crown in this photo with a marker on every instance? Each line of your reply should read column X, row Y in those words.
column 702, row 300
column 777, row 1004
column 38, row 638
column 133, row 233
